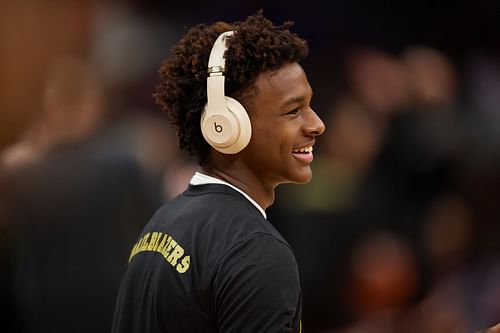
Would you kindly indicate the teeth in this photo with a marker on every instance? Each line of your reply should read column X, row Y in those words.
column 304, row 150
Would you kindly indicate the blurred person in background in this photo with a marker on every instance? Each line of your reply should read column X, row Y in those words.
column 32, row 34
column 381, row 283
column 454, row 293
column 376, row 79
column 74, row 193
column 72, row 109
column 480, row 161
column 82, row 160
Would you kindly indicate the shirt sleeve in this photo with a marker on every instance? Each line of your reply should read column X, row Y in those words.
column 257, row 288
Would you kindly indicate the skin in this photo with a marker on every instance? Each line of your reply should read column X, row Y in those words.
column 282, row 120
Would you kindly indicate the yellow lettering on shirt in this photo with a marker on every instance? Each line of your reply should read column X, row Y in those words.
column 175, row 255
column 162, row 243
column 183, row 266
column 167, row 250
column 166, row 245
column 133, row 252
column 144, row 244
column 152, row 241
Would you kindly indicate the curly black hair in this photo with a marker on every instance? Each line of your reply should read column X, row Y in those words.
column 257, row 46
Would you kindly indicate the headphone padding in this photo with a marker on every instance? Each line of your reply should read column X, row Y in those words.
column 237, row 128
column 245, row 126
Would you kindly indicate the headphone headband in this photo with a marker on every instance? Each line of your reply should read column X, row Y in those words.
column 215, row 81
column 216, row 62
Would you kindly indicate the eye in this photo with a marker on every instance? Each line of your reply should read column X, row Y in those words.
column 293, row 112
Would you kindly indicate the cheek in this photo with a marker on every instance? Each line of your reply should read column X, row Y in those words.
column 264, row 144
column 272, row 140
column 268, row 138
column 260, row 135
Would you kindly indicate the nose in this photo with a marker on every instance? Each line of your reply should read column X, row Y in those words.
column 314, row 124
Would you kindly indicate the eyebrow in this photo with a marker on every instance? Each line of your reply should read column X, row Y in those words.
column 293, row 100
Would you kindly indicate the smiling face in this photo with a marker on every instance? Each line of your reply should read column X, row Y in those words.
column 284, row 127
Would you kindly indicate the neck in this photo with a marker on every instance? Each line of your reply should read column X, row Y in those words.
column 245, row 181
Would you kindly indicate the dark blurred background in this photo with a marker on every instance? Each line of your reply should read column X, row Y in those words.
column 397, row 232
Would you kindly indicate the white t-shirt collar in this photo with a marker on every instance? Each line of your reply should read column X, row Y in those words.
column 201, row 179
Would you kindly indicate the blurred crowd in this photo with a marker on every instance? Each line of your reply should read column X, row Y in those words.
column 397, row 232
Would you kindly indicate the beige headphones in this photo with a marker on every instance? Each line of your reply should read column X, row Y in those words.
column 225, row 124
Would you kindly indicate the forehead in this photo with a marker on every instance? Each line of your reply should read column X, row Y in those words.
column 285, row 84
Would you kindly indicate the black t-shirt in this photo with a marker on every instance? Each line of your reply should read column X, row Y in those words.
column 208, row 261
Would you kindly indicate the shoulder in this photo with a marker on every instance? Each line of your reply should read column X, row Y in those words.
column 212, row 205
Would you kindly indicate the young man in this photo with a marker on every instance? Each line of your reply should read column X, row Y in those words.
column 208, row 260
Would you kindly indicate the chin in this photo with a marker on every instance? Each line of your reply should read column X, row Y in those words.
column 304, row 181
column 303, row 178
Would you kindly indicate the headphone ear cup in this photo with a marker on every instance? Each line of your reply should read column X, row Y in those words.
column 228, row 132
column 245, row 126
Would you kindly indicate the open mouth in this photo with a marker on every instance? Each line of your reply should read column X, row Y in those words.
column 305, row 150
column 304, row 154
